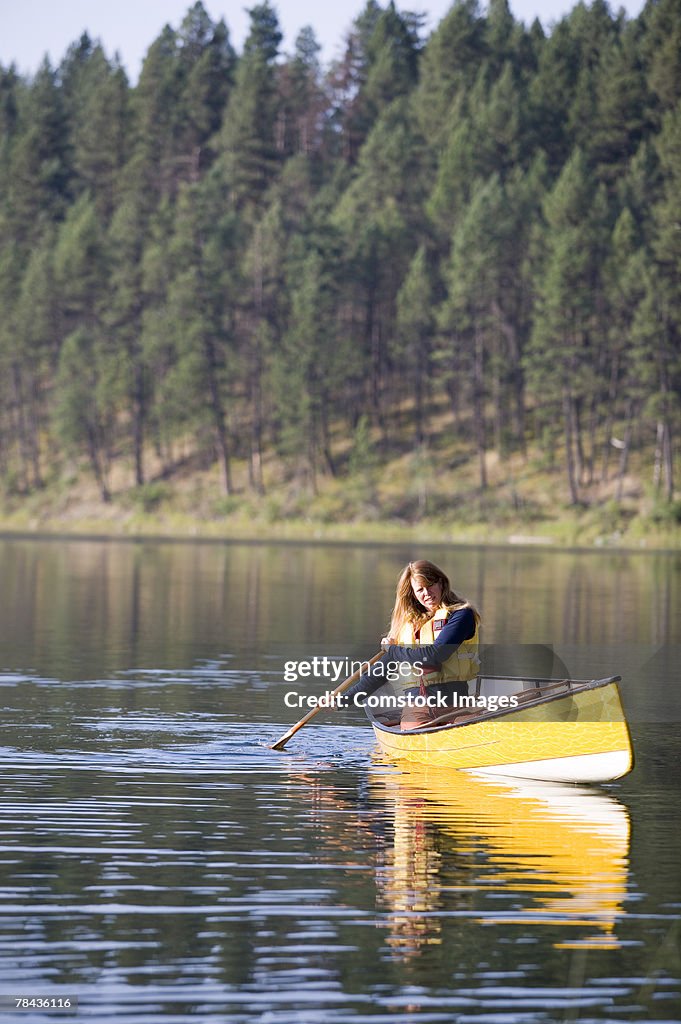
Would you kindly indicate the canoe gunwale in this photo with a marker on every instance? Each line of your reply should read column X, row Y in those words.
column 573, row 686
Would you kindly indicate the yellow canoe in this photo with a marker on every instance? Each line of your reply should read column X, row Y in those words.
column 559, row 731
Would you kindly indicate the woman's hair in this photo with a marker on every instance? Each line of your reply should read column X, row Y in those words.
column 407, row 609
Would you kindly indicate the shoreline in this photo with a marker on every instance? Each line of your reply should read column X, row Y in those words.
column 151, row 529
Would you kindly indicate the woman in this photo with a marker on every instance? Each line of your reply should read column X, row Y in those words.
column 437, row 632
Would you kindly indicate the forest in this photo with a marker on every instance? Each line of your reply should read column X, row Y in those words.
column 457, row 254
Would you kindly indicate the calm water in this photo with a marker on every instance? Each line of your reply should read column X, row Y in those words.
column 160, row 863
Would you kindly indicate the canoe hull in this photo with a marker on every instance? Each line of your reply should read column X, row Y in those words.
column 580, row 737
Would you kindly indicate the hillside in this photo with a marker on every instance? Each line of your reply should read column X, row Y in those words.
column 436, row 284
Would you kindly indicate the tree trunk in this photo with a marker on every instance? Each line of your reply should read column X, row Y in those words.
column 568, row 419
column 499, row 410
column 590, row 461
column 515, row 376
column 326, row 437
column 668, row 462
column 255, row 474
column 219, row 419
column 624, row 452
column 479, row 407
column 312, row 452
column 374, row 336
column 610, row 416
column 657, row 465
column 96, row 463
column 419, row 433
column 20, row 420
column 138, row 417
column 578, row 447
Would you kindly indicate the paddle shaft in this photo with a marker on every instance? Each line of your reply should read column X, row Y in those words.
column 341, row 688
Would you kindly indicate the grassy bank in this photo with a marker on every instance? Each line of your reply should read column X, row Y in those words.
column 420, row 495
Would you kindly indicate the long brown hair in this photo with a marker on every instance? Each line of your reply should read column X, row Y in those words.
column 407, row 609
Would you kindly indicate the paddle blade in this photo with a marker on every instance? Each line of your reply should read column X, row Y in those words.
column 281, row 742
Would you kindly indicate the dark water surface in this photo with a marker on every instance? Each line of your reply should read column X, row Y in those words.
column 159, row 862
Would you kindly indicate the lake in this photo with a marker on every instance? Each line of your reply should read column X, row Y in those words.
column 160, row 863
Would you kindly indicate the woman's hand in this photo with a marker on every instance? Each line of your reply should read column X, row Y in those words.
column 387, row 641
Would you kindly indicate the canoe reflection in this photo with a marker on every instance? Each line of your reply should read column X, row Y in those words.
column 552, row 854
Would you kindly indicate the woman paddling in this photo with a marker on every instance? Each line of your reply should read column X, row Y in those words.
column 435, row 630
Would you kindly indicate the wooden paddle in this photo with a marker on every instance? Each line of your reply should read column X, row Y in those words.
column 345, row 685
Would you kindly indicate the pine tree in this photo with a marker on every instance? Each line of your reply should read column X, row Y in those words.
column 564, row 361
column 85, row 410
column 659, row 320
column 85, row 406
column 392, row 54
column 479, row 317
column 248, row 144
column 550, row 95
column 123, row 319
column 201, row 308
column 306, row 366
column 153, row 170
column 353, row 116
column 618, row 123
column 40, row 174
column 449, row 67
column 96, row 97
column 379, row 218
column 304, row 103
column 415, row 332
column 206, row 65
column 624, row 274
column 661, row 49
column 11, row 87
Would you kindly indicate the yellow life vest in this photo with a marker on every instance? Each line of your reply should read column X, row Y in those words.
column 460, row 666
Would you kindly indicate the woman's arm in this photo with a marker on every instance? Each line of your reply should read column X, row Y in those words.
column 459, row 626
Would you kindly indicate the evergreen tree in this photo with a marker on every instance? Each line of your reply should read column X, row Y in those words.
column 661, row 48
column 248, row 138
column 97, row 107
column 392, row 52
column 206, row 68
column 123, row 319
column 550, row 95
column 85, row 412
column 448, row 69
column 415, row 328
column 347, row 78
column 482, row 315
column 40, row 174
column 307, row 366
column 618, row 122
column 11, row 87
column 564, row 356
column 153, row 170
column 379, row 219
column 201, row 309
column 624, row 274
column 659, row 320
column 300, row 127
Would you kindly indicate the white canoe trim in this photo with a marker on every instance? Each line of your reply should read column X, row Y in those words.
column 580, row 768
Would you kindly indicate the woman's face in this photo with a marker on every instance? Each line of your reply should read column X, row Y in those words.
column 428, row 596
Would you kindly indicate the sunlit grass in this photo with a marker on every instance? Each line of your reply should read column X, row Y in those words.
column 396, row 491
